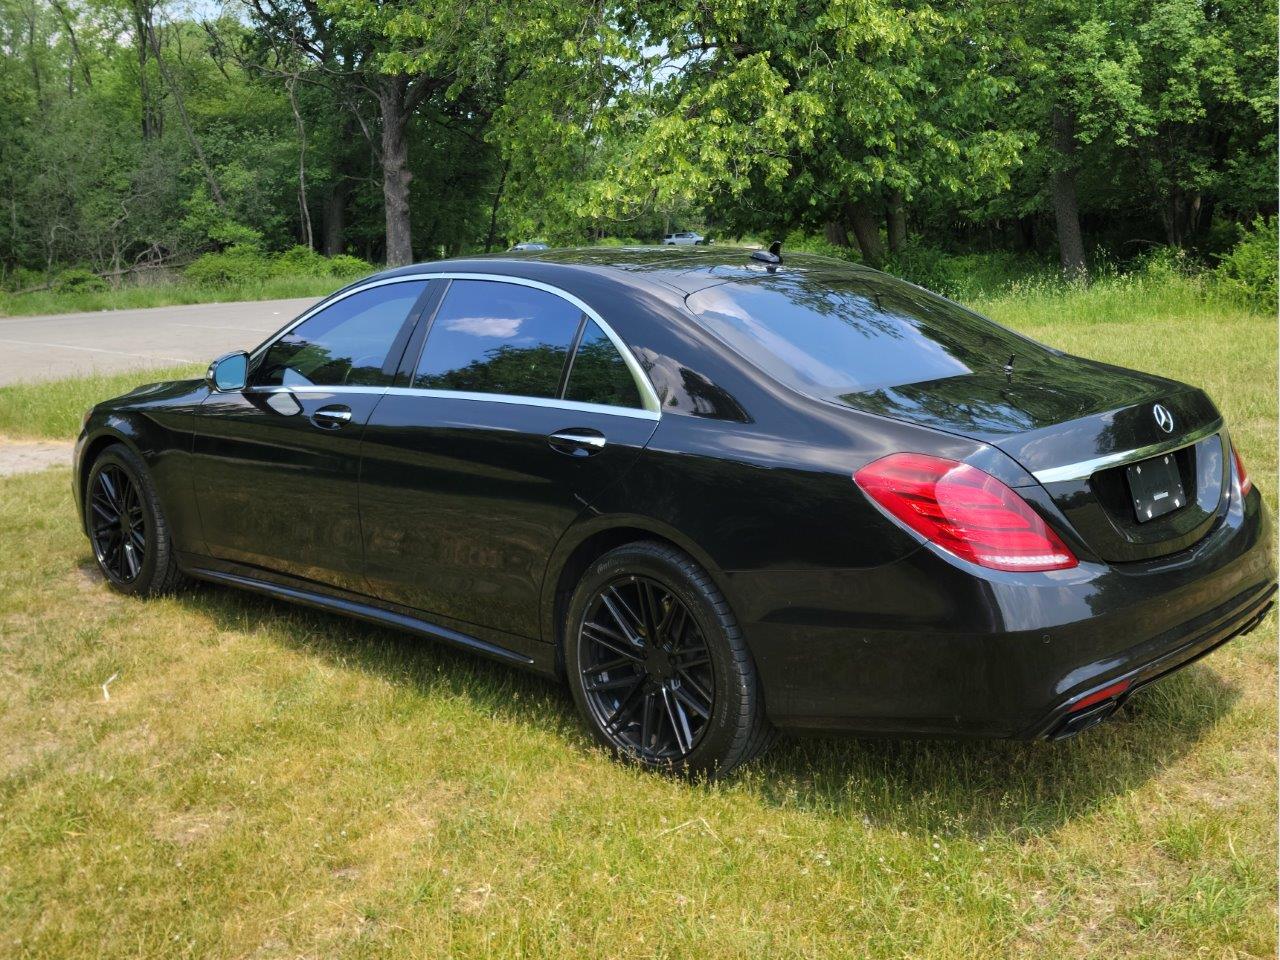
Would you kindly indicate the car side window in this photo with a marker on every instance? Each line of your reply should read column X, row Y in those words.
column 345, row 344
column 494, row 337
column 599, row 374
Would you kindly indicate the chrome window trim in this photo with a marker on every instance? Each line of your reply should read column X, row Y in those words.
column 554, row 403
column 303, row 388
column 648, row 396
column 1083, row 469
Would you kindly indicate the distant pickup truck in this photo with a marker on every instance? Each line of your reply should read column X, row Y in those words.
column 685, row 238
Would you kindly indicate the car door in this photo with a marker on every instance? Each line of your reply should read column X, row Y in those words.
column 276, row 464
column 521, row 408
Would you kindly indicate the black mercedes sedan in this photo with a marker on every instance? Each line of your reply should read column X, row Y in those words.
column 721, row 493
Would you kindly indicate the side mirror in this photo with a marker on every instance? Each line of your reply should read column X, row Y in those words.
column 229, row 372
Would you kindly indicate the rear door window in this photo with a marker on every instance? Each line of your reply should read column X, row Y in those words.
column 599, row 374
column 501, row 338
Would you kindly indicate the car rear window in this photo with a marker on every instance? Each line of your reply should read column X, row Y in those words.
column 831, row 333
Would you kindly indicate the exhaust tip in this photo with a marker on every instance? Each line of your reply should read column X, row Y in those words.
column 1081, row 720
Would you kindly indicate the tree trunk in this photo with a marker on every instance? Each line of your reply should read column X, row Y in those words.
column 835, row 232
column 304, row 206
column 395, row 169
column 493, row 210
column 866, row 228
column 1024, row 235
column 1066, row 205
column 335, row 217
column 144, row 30
column 896, row 217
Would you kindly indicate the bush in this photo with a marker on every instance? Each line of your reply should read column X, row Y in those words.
column 345, row 265
column 242, row 263
column 1248, row 272
column 964, row 276
column 302, row 260
column 22, row 278
column 78, row 280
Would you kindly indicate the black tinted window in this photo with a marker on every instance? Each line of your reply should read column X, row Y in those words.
column 491, row 337
column 599, row 374
column 832, row 333
column 342, row 345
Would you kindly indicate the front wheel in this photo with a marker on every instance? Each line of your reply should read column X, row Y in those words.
column 658, row 665
column 127, row 527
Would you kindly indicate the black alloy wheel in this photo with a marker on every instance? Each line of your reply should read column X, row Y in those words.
column 658, row 665
column 117, row 524
column 646, row 670
column 127, row 527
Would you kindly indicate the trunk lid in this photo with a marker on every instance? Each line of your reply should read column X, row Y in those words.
column 1078, row 427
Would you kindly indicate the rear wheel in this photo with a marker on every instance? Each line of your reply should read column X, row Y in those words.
column 658, row 666
column 127, row 527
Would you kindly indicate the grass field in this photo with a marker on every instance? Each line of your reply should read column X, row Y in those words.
column 270, row 782
column 166, row 294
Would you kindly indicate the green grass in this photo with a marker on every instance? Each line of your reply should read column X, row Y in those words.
column 167, row 294
column 53, row 410
column 267, row 781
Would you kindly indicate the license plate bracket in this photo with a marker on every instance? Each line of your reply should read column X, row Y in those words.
column 1156, row 487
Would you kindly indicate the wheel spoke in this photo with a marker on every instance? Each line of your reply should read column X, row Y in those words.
column 647, row 720
column 610, row 641
column 608, row 666
column 614, row 603
column 649, row 610
column 679, row 723
column 694, row 683
column 614, row 683
column 106, row 481
column 690, row 659
column 676, row 628
column 625, row 705
column 103, row 509
column 701, row 708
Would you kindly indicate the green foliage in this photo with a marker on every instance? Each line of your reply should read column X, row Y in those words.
column 243, row 262
column 965, row 276
column 1249, row 270
column 78, row 280
column 24, row 278
column 345, row 265
column 302, row 260
column 798, row 241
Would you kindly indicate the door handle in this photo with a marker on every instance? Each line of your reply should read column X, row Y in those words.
column 331, row 417
column 577, row 441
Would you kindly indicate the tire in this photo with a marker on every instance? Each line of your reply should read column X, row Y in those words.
column 645, row 701
column 148, row 531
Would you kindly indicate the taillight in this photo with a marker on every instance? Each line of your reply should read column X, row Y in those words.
column 965, row 511
column 1241, row 473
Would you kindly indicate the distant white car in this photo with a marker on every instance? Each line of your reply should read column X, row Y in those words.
column 685, row 238
column 531, row 245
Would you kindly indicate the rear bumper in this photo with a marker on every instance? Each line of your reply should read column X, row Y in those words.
column 924, row 647
column 1183, row 647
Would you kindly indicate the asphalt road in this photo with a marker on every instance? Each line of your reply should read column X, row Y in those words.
column 109, row 341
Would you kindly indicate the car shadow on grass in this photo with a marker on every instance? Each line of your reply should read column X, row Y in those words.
column 974, row 788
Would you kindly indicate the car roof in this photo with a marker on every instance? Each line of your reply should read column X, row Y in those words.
column 684, row 270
